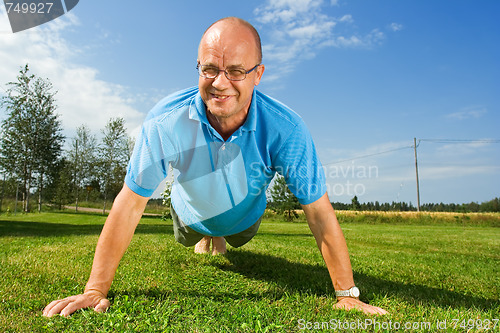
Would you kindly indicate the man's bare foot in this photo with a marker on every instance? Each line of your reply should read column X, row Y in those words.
column 203, row 246
column 218, row 245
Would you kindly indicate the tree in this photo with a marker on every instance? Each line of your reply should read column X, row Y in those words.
column 32, row 141
column 114, row 153
column 167, row 194
column 61, row 184
column 82, row 157
column 283, row 201
column 355, row 205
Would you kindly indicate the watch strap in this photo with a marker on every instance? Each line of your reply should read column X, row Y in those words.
column 352, row 292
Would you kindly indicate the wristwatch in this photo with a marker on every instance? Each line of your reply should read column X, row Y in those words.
column 353, row 292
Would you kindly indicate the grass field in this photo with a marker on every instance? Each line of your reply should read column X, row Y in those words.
column 441, row 273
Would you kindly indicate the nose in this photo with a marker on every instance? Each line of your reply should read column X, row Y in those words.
column 221, row 81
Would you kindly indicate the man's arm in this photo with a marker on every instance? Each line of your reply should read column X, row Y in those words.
column 113, row 242
column 331, row 243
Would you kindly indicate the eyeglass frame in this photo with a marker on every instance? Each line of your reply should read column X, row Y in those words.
column 198, row 68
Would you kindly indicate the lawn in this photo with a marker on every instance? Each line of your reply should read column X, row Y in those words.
column 428, row 276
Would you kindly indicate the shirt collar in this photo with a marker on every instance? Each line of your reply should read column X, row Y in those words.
column 251, row 122
column 198, row 111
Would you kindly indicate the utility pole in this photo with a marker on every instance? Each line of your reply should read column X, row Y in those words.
column 416, row 173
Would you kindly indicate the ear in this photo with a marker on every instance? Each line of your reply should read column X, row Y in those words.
column 259, row 72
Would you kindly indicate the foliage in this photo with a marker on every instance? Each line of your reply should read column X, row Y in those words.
column 282, row 201
column 166, row 196
column 355, row 203
column 82, row 157
column 114, row 153
column 488, row 206
column 60, row 188
column 420, row 274
column 31, row 142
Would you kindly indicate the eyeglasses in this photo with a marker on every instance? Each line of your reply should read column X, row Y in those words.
column 233, row 74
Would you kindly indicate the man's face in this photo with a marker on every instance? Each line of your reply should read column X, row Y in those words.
column 227, row 46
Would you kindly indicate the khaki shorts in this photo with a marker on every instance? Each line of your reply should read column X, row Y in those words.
column 188, row 237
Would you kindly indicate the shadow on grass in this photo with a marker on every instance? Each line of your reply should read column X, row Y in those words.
column 44, row 229
column 291, row 276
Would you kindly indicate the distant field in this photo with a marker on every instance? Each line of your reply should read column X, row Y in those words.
column 443, row 272
column 422, row 218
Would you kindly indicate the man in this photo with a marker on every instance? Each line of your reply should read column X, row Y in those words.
column 226, row 141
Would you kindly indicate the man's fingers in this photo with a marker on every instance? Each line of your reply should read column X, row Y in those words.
column 103, row 305
column 355, row 304
column 49, row 307
column 71, row 304
column 380, row 310
column 55, row 307
column 369, row 309
column 78, row 303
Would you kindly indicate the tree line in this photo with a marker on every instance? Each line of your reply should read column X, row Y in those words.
column 282, row 201
column 35, row 166
column 471, row 207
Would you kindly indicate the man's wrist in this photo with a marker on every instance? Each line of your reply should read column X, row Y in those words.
column 94, row 291
column 352, row 292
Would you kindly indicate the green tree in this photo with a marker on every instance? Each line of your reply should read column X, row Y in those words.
column 355, row 205
column 114, row 153
column 82, row 157
column 31, row 143
column 61, row 184
column 167, row 194
column 283, row 202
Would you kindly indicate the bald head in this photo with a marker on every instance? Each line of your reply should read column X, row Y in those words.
column 234, row 25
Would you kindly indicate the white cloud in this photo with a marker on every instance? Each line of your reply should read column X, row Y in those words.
column 346, row 18
column 454, row 171
column 296, row 30
column 395, row 26
column 343, row 156
column 468, row 113
column 82, row 97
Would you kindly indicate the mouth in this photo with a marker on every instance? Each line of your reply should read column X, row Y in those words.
column 220, row 98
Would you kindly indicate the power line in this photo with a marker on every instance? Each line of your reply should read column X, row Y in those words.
column 369, row 155
column 459, row 141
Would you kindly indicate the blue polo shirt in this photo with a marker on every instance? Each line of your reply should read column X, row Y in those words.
column 220, row 186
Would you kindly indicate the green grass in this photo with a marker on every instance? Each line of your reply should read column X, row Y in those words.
column 278, row 282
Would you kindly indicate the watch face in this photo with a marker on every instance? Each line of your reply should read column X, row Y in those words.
column 354, row 292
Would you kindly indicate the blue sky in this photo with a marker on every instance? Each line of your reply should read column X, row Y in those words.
column 366, row 76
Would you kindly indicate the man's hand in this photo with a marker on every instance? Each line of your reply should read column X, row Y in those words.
column 113, row 242
column 349, row 303
column 68, row 305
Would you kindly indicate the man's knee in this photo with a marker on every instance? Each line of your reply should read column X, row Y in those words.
column 245, row 236
column 235, row 241
column 182, row 233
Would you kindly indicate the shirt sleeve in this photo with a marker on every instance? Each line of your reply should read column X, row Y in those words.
column 148, row 165
column 298, row 162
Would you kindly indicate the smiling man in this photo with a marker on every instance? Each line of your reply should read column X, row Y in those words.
column 225, row 142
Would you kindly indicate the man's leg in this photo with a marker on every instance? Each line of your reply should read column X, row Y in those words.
column 188, row 237
column 245, row 236
column 203, row 246
column 218, row 245
column 183, row 234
